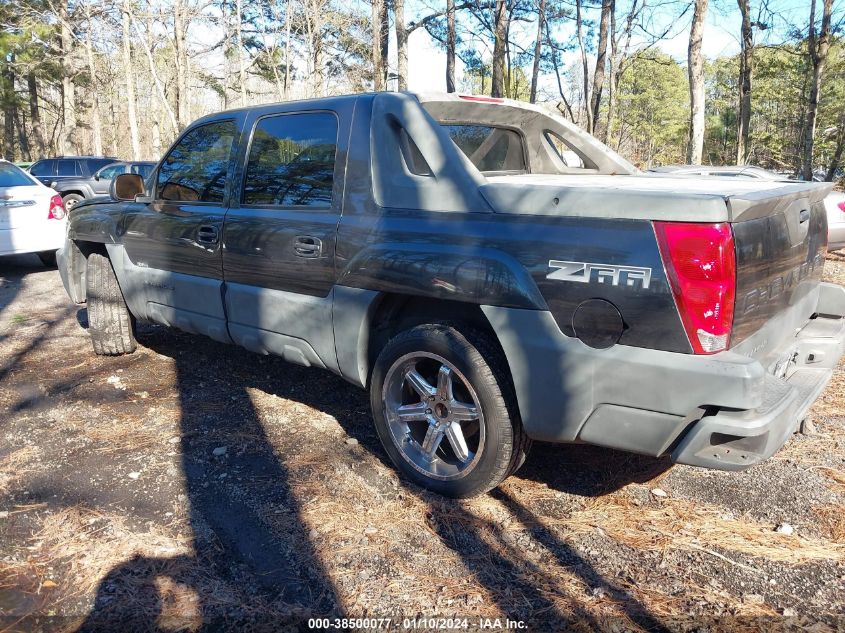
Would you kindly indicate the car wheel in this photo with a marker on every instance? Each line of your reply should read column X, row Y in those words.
column 444, row 410
column 109, row 321
column 71, row 200
column 48, row 258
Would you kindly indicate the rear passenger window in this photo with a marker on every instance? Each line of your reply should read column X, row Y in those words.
column 195, row 169
column 489, row 148
column 291, row 161
column 43, row 168
column 68, row 168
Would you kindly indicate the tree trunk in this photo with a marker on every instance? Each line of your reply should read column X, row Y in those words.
column 500, row 45
column 180, row 19
column 818, row 48
column 35, row 115
column 584, row 67
column 378, row 71
column 385, row 39
column 538, row 49
column 607, row 8
column 451, row 43
column 695, row 68
column 129, row 77
column 401, row 44
column 241, row 67
column 9, row 110
column 67, row 139
column 96, row 121
column 287, row 51
column 156, row 139
column 746, row 63
column 23, row 141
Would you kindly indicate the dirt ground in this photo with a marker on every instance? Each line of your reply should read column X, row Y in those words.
column 196, row 486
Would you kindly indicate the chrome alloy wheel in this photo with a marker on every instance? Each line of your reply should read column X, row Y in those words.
column 434, row 416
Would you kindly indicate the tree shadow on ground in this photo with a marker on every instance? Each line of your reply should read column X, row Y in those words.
column 277, row 570
column 253, row 566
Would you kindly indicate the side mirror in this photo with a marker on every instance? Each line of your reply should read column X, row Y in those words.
column 126, row 187
column 97, row 176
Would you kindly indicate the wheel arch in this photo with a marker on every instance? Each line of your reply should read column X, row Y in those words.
column 364, row 321
column 74, row 269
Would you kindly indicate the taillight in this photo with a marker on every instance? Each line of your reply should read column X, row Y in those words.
column 841, row 206
column 57, row 208
column 701, row 266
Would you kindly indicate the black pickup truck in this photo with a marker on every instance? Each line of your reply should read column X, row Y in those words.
column 446, row 253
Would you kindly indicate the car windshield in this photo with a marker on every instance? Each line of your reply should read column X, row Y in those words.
column 11, row 176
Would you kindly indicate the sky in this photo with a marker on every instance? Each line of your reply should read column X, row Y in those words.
column 427, row 61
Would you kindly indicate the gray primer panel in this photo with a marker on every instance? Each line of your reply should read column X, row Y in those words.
column 634, row 430
column 197, row 298
column 351, row 316
column 559, row 381
column 277, row 312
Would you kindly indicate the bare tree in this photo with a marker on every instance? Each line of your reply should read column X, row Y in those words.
column 180, row 37
column 817, row 49
column 96, row 119
column 35, row 114
column 538, row 49
column 608, row 8
column 378, row 68
column 695, row 69
column 451, row 43
column 401, row 44
column 579, row 23
column 129, row 78
column 746, row 65
column 67, row 139
column 501, row 21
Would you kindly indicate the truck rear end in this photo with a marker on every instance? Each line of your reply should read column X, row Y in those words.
column 685, row 316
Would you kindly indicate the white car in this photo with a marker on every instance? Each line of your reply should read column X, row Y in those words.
column 834, row 203
column 32, row 216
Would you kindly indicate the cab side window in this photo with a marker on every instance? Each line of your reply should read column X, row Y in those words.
column 196, row 168
column 43, row 168
column 291, row 161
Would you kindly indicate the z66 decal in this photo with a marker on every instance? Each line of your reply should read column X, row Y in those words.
column 585, row 272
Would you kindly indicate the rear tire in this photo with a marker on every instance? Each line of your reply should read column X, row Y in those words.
column 109, row 321
column 71, row 200
column 48, row 258
column 415, row 408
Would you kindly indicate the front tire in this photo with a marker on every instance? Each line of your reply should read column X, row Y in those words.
column 109, row 321
column 444, row 410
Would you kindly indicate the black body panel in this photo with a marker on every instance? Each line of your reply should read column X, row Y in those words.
column 779, row 260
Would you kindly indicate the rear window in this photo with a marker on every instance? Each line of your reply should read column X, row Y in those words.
column 11, row 176
column 489, row 148
column 142, row 170
column 68, row 168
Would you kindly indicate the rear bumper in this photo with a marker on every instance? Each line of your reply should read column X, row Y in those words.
column 49, row 236
column 836, row 236
column 734, row 440
column 726, row 411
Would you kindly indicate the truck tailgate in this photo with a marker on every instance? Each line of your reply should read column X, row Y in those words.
column 780, row 251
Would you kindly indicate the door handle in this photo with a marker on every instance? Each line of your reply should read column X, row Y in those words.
column 307, row 246
column 208, row 234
